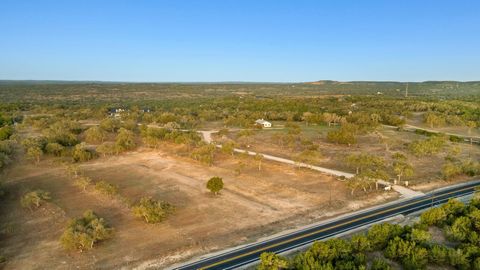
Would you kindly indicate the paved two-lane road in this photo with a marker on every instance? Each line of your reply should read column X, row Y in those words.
column 249, row 254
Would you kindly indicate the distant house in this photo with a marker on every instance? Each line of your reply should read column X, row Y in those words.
column 263, row 123
column 116, row 112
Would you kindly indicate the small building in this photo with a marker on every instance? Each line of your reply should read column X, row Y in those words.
column 116, row 112
column 263, row 123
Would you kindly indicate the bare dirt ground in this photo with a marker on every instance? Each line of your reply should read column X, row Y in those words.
column 253, row 204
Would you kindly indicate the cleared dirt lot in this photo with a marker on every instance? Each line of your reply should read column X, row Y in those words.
column 253, row 204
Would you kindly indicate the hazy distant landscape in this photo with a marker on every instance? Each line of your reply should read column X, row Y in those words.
column 131, row 153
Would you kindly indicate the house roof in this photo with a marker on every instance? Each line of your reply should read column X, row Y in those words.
column 261, row 121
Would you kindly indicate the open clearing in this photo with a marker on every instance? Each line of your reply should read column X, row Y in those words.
column 383, row 143
column 253, row 204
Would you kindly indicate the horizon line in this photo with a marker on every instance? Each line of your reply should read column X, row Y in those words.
column 225, row 82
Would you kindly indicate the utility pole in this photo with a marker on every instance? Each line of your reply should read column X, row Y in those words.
column 406, row 90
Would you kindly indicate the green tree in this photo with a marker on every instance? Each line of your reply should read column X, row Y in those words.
column 458, row 259
column 34, row 153
column 228, row 148
column 81, row 153
column 438, row 254
column 151, row 210
column 110, row 124
column 271, row 261
column 380, row 234
column 360, row 243
column 379, row 264
column 204, row 154
column 364, row 161
column 342, row 136
column 450, row 169
column 420, row 236
column 125, row 140
column 433, row 216
column 55, row 149
column 401, row 167
column 82, row 233
column 461, row 229
column 107, row 149
column 215, row 184
column 6, row 132
column 95, row 135
column 34, row 199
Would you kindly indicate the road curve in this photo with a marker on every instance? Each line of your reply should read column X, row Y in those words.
column 251, row 253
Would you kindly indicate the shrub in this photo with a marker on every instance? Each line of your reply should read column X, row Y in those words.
column 438, row 254
column 82, row 182
column 151, row 210
column 55, row 149
column 450, row 170
column 271, row 261
column 81, row 153
column 125, row 140
column 379, row 264
column 205, row 154
column 434, row 216
column 380, row 234
column 215, row 184
column 34, row 199
column 82, row 233
column 342, row 136
column 427, row 147
column 106, row 188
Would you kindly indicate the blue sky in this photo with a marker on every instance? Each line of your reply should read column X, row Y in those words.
column 240, row 40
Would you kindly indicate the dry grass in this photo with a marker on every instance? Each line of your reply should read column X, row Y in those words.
column 253, row 204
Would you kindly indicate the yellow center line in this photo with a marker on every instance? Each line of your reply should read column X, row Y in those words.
column 329, row 228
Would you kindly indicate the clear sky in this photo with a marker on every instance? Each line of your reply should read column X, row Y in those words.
column 242, row 40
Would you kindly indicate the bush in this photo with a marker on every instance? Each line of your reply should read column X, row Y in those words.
column 82, row 182
column 81, row 153
column 454, row 138
column 427, row 147
column 107, row 149
column 438, row 255
column 271, row 261
column 380, row 234
column 450, row 170
column 125, row 140
column 34, row 199
column 379, row 264
column 204, row 154
column 151, row 210
column 82, row 233
column 342, row 136
column 55, row 149
column 433, row 216
column 106, row 188
column 215, row 184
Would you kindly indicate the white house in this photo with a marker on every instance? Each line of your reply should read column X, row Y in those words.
column 116, row 112
column 263, row 123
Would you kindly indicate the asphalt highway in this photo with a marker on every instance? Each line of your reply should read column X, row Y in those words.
column 251, row 253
